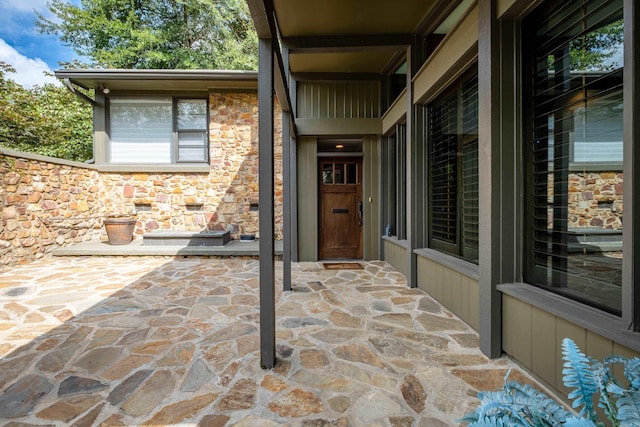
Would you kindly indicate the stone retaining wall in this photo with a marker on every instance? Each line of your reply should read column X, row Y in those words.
column 45, row 203
column 49, row 202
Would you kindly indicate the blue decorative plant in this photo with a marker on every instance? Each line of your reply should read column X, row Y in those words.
column 522, row 405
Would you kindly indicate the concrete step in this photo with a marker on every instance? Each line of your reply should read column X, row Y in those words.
column 186, row 238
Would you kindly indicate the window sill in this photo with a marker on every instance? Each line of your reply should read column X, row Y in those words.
column 461, row 266
column 605, row 324
column 175, row 168
column 396, row 241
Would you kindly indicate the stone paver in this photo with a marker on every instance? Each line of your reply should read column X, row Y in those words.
column 159, row 341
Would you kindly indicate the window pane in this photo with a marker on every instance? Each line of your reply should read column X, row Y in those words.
column 327, row 173
column 470, row 212
column 192, row 146
column 140, row 130
column 352, row 173
column 339, row 173
column 575, row 214
column 444, row 169
column 192, row 114
column 192, row 154
column 597, row 135
column 191, row 138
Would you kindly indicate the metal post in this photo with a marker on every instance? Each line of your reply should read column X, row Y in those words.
column 266, row 193
column 489, row 157
column 286, row 201
column 411, row 171
column 286, row 188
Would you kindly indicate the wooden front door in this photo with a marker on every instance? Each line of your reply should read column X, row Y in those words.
column 340, row 208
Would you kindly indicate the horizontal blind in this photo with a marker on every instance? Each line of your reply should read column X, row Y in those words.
column 470, row 189
column 140, row 130
column 444, row 169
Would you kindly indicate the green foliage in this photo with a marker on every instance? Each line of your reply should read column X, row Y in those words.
column 47, row 120
column 522, row 405
column 157, row 34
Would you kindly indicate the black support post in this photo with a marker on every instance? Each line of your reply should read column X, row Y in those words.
column 266, row 193
column 490, row 173
column 286, row 188
column 411, row 198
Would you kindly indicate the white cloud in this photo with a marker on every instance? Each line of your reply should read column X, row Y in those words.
column 29, row 71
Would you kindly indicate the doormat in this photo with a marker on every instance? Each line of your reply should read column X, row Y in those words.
column 343, row 266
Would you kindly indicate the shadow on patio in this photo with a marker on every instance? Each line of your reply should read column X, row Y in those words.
column 152, row 341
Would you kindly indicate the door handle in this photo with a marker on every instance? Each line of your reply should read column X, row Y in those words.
column 360, row 212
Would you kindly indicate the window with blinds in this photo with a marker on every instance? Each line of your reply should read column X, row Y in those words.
column 401, row 181
column 453, row 165
column 157, row 130
column 575, row 178
column 395, row 187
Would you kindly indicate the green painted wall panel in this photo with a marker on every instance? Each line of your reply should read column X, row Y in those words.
column 473, row 295
column 307, row 200
column 396, row 256
column 455, row 291
column 522, row 322
column 565, row 329
column 543, row 345
column 372, row 151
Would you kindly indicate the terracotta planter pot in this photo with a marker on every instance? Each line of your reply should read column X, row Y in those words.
column 119, row 230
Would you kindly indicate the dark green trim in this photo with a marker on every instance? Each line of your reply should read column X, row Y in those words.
column 631, row 134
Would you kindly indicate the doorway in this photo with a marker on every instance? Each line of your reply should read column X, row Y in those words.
column 340, row 208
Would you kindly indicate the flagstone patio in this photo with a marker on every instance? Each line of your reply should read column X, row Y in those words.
column 118, row 341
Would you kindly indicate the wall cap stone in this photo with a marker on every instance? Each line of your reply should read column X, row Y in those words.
column 40, row 158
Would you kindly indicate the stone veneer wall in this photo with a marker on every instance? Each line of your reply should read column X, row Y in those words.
column 48, row 202
column 225, row 194
column 45, row 204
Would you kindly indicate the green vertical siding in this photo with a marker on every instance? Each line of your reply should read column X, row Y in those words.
column 338, row 100
column 396, row 256
column 454, row 290
column 372, row 228
column 533, row 337
column 307, row 200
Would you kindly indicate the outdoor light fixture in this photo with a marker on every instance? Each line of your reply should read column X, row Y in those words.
column 106, row 90
column 339, row 146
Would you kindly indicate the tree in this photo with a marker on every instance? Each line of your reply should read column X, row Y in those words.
column 163, row 34
column 47, row 120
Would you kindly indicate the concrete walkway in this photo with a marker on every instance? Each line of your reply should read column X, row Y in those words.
column 126, row 341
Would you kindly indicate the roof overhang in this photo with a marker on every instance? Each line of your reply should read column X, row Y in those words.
column 356, row 36
column 169, row 80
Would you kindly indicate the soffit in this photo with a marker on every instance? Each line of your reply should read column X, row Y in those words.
column 312, row 19
column 298, row 18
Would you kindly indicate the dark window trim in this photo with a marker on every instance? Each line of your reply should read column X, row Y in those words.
column 395, row 151
column 176, row 131
column 175, row 165
column 530, row 269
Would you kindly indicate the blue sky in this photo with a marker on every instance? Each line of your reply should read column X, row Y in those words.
column 22, row 46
